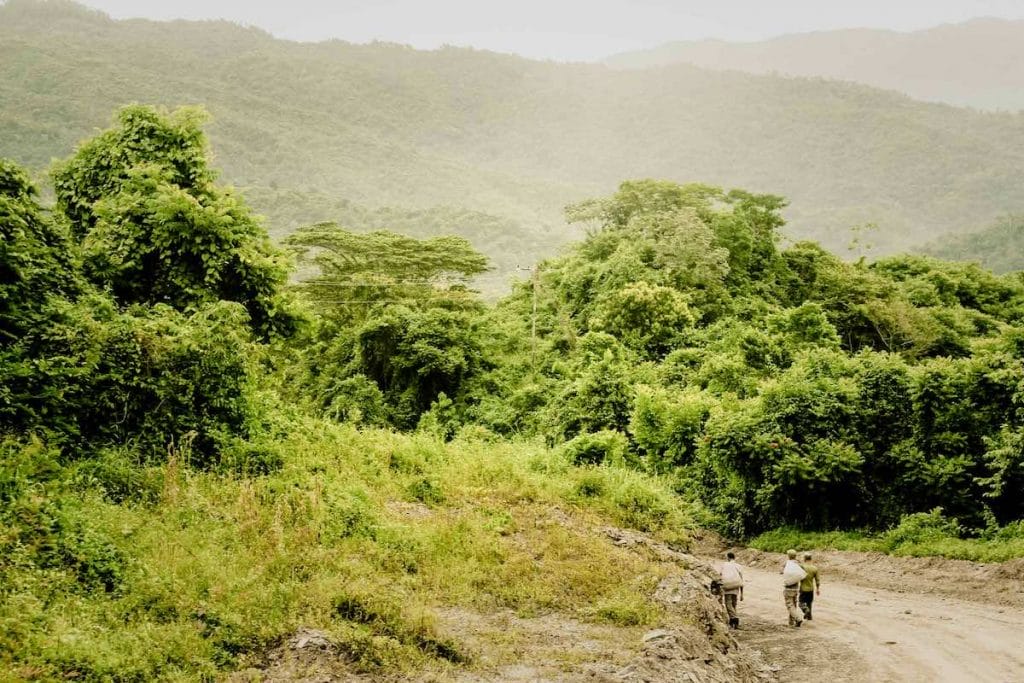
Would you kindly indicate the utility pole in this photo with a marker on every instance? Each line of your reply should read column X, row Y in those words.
column 535, row 282
column 533, row 330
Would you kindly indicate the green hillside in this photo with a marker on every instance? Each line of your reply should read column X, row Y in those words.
column 999, row 247
column 384, row 125
column 978, row 63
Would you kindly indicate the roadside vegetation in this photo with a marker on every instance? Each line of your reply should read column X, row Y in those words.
column 923, row 534
column 114, row 570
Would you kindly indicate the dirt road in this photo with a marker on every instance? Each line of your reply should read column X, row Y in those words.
column 871, row 634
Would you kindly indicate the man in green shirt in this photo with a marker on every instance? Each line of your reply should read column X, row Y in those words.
column 809, row 586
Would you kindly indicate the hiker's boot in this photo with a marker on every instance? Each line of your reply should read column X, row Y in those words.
column 734, row 623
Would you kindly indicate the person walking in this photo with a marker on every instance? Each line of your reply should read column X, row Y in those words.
column 792, row 575
column 810, row 585
column 732, row 588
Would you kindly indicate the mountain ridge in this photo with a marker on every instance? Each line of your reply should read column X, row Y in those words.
column 389, row 126
column 974, row 63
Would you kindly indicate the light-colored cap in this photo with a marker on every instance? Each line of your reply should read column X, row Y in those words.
column 792, row 554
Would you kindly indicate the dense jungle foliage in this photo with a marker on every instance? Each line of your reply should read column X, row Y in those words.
column 198, row 455
column 459, row 130
column 777, row 386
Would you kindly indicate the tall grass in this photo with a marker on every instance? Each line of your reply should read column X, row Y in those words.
column 169, row 573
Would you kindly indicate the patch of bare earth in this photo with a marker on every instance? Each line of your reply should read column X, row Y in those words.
column 309, row 656
column 693, row 645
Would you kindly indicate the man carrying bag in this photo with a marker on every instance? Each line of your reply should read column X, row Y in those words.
column 732, row 588
column 792, row 575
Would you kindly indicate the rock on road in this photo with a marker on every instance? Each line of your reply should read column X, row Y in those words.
column 867, row 634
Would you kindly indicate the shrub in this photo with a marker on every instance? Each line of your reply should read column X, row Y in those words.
column 605, row 446
column 385, row 619
column 922, row 527
column 118, row 472
column 641, row 507
column 251, row 457
column 667, row 425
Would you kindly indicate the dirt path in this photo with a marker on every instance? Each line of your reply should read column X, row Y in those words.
column 871, row 634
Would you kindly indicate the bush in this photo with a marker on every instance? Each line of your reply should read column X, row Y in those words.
column 666, row 426
column 88, row 552
column 386, row 620
column 922, row 527
column 594, row 449
column 251, row 458
column 350, row 513
column 357, row 400
column 641, row 507
column 426, row 491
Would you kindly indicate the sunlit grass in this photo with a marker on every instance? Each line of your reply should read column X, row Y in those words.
column 360, row 534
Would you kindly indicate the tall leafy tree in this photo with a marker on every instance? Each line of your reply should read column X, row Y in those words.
column 355, row 270
column 400, row 325
column 36, row 261
column 156, row 228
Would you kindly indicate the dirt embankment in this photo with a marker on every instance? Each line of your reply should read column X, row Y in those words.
column 692, row 643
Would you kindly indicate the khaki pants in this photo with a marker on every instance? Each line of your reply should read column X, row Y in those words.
column 730, row 604
column 792, row 596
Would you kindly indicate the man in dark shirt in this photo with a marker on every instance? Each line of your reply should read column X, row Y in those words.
column 809, row 586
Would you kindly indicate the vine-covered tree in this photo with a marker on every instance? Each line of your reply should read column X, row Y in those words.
column 156, row 228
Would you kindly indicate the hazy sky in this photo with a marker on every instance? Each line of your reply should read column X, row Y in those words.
column 561, row 29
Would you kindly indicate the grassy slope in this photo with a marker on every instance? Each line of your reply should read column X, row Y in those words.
column 362, row 535
column 387, row 125
column 976, row 63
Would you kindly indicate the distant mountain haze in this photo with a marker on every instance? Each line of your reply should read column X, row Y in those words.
column 979, row 63
column 566, row 30
column 493, row 146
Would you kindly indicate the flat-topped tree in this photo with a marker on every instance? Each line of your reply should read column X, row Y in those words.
column 403, row 331
column 381, row 266
column 155, row 228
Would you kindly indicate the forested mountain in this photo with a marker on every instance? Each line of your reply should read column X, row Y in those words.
column 979, row 63
column 1000, row 246
column 384, row 125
